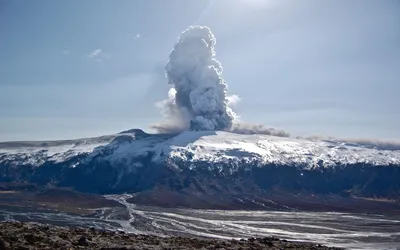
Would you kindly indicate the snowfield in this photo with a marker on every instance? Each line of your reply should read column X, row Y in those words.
column 204, row 146
column 219, row 146
column 37, row 153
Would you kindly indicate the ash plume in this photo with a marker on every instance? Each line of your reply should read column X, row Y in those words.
column 250, row 129
column 198, row 99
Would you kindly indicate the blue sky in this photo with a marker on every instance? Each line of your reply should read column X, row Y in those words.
column 74, row 68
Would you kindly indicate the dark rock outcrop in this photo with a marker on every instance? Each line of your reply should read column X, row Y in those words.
column 15, row 235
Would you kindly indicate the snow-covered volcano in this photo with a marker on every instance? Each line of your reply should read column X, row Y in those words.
column 193, row 146
column 199, row 163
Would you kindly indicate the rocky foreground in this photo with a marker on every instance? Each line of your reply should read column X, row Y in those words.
column 17, row 235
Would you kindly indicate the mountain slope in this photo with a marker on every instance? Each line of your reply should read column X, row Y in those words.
column 204, row 167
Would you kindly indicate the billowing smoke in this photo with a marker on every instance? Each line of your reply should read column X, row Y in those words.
column 249, row 129
column 177, row 119
column 198, row 99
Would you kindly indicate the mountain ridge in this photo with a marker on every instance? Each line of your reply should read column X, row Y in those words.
column 211, row 167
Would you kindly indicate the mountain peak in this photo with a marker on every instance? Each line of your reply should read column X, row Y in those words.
column 138, row 132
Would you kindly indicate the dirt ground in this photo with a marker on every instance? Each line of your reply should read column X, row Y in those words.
column 17, row 235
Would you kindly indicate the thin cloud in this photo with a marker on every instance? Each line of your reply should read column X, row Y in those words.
column 137, row 36
column 65, row 52
column 95, row 53
column 366, row 142
column 99, row 55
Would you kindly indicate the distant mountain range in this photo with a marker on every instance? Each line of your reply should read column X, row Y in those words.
column 204, row 168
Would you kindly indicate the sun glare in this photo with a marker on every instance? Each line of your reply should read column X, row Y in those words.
column 255, row 3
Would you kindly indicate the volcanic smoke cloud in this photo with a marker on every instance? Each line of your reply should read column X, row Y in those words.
column 199, row 92
column 198, row 99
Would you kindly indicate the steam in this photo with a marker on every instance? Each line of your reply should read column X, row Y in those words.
column 176, row 119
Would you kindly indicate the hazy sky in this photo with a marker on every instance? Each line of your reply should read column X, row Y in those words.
column 77, row 68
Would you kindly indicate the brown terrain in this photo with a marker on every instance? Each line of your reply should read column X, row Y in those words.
column 16, row 235
column 29, row 196
column 275, row 200
column 20, row 195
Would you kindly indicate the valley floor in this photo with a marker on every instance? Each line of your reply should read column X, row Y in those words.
column 348, row 222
